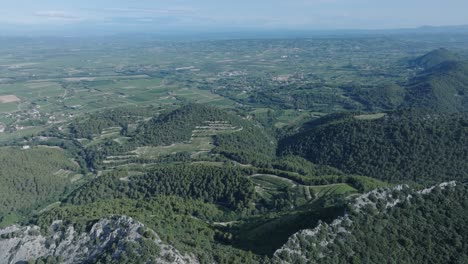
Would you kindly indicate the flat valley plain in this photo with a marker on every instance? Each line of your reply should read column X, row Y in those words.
column 54, row 80
column 285, row 132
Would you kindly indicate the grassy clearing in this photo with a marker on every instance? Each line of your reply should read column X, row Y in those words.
column 293, row 117
column 209, row 163
column 269, row 186
column 8, row 137
column 203, row 96
column 333, row 189
column 370, row 117
column 197, row 144
column 272, row 181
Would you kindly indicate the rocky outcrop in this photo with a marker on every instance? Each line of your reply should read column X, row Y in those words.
column 309, row 245
column 111, row 236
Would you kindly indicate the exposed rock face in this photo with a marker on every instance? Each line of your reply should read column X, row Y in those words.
column 23, row 243
column 307, row 246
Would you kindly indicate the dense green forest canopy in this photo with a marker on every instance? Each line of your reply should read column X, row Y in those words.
column 177, row 126
column 439, row 85
column 434, row 58
column 406, row 145
column 95, row 123
column 385, row 97
column 248, row 144
column 183, row 222
column 441, row 88
column 426, row 228
column 227, row 149
column 233, row 136
column 31, row 178
column 224, row 186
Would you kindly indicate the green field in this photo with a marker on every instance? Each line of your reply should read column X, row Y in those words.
column 227, row 148
column 8, row 107
column 270, row 185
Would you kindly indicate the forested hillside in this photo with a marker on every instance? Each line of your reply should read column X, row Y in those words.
column 177, row 126
column 31, row 178
column 223, row 186
column 219, row 131
column 182, row 223
column 442, row 88
column 248, row 143
column 405, row 145
column 93, row 124
column 434, row 58
column 272, row 151
column 423, row 227
column 387, row 97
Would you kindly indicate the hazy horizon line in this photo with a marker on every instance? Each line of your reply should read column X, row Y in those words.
column 456, row 28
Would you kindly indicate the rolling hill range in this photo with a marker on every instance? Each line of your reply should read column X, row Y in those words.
column 443, row 88
column 30, row 179
column 434, row 58
column 329, row 149
column 192, row 132
column 389, row 226
column 234, row 137
column 439, row 83
column 405, row 145
column 210, row 185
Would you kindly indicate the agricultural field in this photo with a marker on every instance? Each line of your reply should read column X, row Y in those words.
column 297, row 78
column 227, row 148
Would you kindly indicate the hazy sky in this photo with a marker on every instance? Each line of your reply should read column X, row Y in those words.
column 172, row 15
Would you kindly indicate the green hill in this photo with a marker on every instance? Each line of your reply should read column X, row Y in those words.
column 398, row 146
column 234, row 137
column 225, row 186
column 180, row 135
column 426, row 228
column 178, row 125
column 93, row 124
column 31, row 178
column 389, row 96
column 434, row 58
column 441, row 88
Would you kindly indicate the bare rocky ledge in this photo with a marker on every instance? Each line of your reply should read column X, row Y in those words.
column 20, row 244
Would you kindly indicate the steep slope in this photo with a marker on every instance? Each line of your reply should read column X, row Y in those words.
column 388, row 96
column 181, row 135
column 31, row 178
column 398, row 146
column 187, row 224
column 93, row 124
column 434, row 58
column 441, row 88
column 241, row 140
column 116, row 239
column 389, row 226
column 226, row 186
column 177, row 126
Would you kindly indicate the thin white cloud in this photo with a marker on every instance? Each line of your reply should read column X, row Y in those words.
column 54, row 13
column 294, row 14
column 146, row 12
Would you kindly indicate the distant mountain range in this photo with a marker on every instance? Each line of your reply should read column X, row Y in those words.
column 412, row 145
column 219, row 34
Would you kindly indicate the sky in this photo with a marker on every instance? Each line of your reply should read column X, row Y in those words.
column 152, row 16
